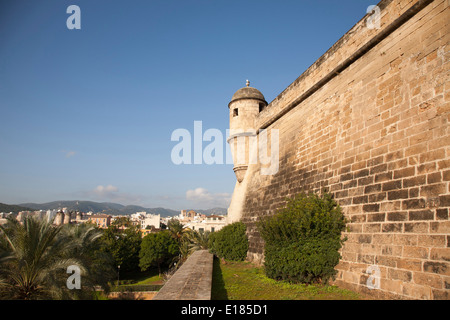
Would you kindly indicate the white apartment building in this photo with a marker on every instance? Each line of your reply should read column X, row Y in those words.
column 209, row 223
column 147, row 219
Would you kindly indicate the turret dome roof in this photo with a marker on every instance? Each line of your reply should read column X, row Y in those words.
column 248, row 93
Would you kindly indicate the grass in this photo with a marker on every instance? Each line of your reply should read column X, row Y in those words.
column 134, row 281
column 150, row 276
column 245, row 281
column 149, row 280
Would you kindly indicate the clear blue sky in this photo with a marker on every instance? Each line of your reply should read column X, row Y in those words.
column 88, row 114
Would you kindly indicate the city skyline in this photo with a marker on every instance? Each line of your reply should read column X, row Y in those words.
column 88, row 114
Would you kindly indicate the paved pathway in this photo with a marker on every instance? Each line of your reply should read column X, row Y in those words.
column 192, row 281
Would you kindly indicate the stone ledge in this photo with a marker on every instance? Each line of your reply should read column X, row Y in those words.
column 192, row 281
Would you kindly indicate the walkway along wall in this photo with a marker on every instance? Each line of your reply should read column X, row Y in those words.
column 192, row 281
column 368, row 122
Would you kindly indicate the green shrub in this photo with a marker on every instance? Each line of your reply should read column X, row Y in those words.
column 302, row 239
column 230, row 242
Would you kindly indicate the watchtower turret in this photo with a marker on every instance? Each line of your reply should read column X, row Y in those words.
column 244, row 107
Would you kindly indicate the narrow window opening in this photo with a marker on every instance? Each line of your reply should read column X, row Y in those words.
column 235, row 112
column 261, row 107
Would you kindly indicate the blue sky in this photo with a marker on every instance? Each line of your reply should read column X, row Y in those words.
column 88, row 114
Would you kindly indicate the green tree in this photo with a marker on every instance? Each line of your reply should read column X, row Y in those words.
column 123, row 241
column 157, row 249
column 35, row 255
column 122, row 222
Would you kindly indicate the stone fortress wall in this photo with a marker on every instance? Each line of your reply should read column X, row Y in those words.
column 369, row 123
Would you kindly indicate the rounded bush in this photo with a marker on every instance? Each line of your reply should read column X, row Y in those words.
column 230, row 242
column 302, row 240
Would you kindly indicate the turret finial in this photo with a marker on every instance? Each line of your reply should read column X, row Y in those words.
column 248, row 83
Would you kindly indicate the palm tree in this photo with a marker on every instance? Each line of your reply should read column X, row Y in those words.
column 176, row 229
column 198, row 240
column 99, row 264
column 184, row 253
column 35, row 255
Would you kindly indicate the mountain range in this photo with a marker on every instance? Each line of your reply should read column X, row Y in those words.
column 102, row 207
column 12, row 208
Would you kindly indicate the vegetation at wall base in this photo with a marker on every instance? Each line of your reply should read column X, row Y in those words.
column 302, row 240
column 242, row 280
column 230, row 242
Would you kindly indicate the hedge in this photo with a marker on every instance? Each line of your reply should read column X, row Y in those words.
column 302, row 240
column 230, row 242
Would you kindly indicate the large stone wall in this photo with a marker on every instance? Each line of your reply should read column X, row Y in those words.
column 369, row 122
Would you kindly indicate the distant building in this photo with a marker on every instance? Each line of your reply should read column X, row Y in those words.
column 51, row 214
column 40, row 214
column 151, row 229
column 187, row 216
column 146, row 220
column 101, row 220
column 151, row 220
column 4, row 215
column 59, row 217
column 208, row 223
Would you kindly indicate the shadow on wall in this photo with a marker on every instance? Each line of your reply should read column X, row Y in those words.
column 218, row 291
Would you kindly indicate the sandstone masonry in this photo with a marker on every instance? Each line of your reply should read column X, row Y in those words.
column 369, row 123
